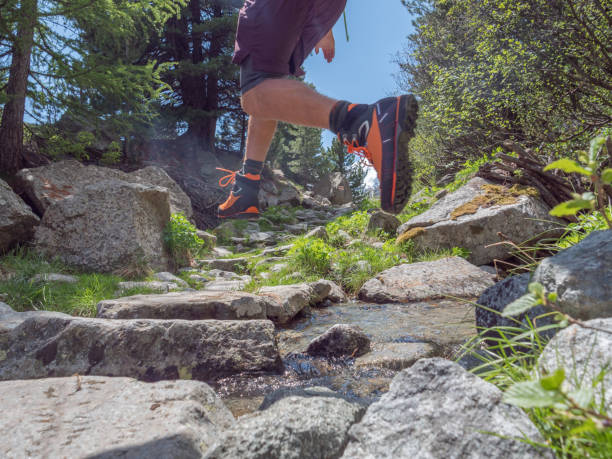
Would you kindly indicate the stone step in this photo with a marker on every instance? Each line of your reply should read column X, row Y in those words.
column 40, row 345
column 93, row 416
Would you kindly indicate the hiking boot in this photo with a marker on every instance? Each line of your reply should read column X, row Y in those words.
column 243, row 202
column 380, row 134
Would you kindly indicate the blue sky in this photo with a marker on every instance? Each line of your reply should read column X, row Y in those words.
column 363, row 68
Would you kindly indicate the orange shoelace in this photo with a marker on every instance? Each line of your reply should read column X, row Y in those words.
column 359, row 151
column 227, row 180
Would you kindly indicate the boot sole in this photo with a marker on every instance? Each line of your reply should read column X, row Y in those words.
column 400, row 191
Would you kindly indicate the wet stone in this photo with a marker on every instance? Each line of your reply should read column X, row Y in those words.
column 395, row 356
column 340, row 340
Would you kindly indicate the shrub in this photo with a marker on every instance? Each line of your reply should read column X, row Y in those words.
column 312, row 255
column 182, row 240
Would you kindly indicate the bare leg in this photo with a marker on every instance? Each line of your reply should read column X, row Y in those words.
column 259, row 138
column 290, row 101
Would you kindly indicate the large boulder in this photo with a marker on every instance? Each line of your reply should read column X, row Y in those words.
column 58, row 181
column 294, row 427
column 92, row 416
column 276, row 190
column 581, row 276
column 583, row 353
column 186, row 305
column 17, row 220
column 107, row 226
column 426, row 281
column 472, row 217
column 436, row 409
column 334, row 187
column 41, row 345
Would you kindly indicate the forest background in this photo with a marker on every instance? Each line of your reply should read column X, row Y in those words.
column 118, row 82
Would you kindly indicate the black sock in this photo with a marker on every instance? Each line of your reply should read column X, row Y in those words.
column 337, row 115
column 250, row 166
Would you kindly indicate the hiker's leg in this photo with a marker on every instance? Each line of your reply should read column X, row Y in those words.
column 290, row 101
column 259, row 137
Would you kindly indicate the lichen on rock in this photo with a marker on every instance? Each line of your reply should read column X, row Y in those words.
column 410, row 234
column 494, row 195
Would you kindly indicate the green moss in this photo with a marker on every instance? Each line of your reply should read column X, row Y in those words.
column 410, row 234
column 494, row 195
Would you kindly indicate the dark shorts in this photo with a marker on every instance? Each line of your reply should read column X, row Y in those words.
column 249, row 78
column 278, row 35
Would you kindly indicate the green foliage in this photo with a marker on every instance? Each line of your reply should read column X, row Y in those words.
column 19, row 267
column 112, row 155
column 312, row 255
column 181, row 239
column 587, row 223
column 58, row 146
column 588, row 165
column 486, row 71
column 354, row 224
column 569, row 421
column 280, row 215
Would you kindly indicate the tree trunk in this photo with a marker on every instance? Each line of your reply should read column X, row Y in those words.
column 11, row 126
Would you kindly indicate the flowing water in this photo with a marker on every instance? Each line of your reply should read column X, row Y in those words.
column 400, row 334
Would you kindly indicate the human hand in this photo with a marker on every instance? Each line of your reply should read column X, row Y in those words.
column 328, row 46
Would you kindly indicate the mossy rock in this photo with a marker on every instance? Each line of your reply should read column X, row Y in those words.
column 494, row 195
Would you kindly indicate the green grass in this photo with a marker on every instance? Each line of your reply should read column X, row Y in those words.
column 510, row 358
column 79, row 299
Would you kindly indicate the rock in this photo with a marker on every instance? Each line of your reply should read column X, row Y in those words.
column 447, row 179
column 334, row 187
column 54, row 277
column 269, row 260
column 226, row 285
column 93, row 416
column 287, row 301
column 305, row 392
column 346, row 237
column 210, row 240
column 17, row 220
column 583, row 354
column 42, row 344
column 472, row 216
column 224, row 275
column 335, row 294
column 440, row 194
column 581, row 276
column 318, row 232
column 384, row 221
column 225, row 264
column 340, row 340
column 260, row 237
column 197, row 305
column 279, row 267
column 221, row 252
column 79, row 231
column 489, row 269
column 294, row 427
column 321, row 290
column 165, row 276
column 426, row 280
column 500, row 295
column 280, row 250
column 276, row 190
column 155, row 286
column 199, row 278
column 65, row 179
column 436, row 409
column 395, row 356
column 298, row 228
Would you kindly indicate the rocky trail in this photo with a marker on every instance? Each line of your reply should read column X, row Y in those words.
column 226, row 365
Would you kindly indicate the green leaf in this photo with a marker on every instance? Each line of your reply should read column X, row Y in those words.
column 524, row 303
column 596, row 144
column 531, row 394
column 571, row 207
column 569, row 166
column 582, row 396
column 553, row 381
column 552, row 297
column 537, row 289
column 606, row 176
